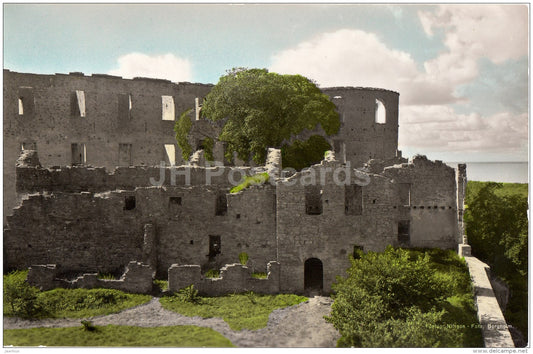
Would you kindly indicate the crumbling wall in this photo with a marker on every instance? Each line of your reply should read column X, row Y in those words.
column 334, row 233
column 137, row 278
column 161, row 225
column 71, row 179
column 234, row 278
column 76, row 231
column 51, row 124
column 432, row 208
column 407, row 205
column 361, row 138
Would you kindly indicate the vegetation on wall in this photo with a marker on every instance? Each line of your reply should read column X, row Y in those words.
column 182, row 127
column 405, row 298
column 261, row 110
column 255, row 180
column 497, row 229
column 209, row 144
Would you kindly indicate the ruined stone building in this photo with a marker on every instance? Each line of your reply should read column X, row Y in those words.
column 88, row 195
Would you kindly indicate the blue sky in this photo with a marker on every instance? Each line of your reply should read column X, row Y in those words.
column 461, row 70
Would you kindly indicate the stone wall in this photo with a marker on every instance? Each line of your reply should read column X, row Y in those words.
column 234, row 278
column 493, row 326
column 162, row 225
column 50, row 125
column 317, row 216
column 419, row 194
column 137, row 278
column 361, row 138
column 432, row 202
column 71, row 179
column 122, row 123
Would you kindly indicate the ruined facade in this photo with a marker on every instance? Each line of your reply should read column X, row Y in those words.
column 182, row 220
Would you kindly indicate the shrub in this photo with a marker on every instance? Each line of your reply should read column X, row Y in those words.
column 88, row 326
column 243, row 258
column 405, row 298
column 189, row 294
column 212, row 273
column 21, row 298
column 161, row 284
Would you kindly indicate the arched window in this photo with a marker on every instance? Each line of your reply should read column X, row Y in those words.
column 381, row 112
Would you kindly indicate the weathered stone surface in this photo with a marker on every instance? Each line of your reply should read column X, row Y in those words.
column 137, row 278
column 493, row 326
column 234, row 278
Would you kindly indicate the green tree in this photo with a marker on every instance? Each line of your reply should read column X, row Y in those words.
column 261, row 110
column 497, row 229
column 394, row 299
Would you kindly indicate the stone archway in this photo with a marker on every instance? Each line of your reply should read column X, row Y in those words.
column 313, row 274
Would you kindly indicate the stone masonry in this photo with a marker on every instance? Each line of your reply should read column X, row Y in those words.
column 100, row 182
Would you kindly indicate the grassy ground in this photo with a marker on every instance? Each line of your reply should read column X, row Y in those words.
column 79, row 303
column 508, row 188
column 66, row 303
column 240, row 311
column 117, row 336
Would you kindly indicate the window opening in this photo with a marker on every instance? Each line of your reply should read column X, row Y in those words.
column 170, row 151
column 313, row 200
column 381, row 112
column 167, row 107
column 129, row 202
column 79, row 154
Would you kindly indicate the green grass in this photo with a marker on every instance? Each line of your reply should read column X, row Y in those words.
column 212, row 273
column 473, row 188
column 254, row 180
column 106, row 276
column 117, row 336
column 259, row 275
column 240, row 311
column 162, row 284
column 76, row 303
column 79, row 303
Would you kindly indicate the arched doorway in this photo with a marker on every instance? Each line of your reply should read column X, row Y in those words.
column 313, row 274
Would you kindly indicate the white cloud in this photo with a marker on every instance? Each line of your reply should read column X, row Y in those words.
column 350, row 57
column 498, row 32
column 166, row 66
column 356, row 58
column 438, row 127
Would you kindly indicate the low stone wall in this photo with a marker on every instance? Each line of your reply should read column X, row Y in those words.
column 493, row 326
column 137, row 278
column 234, row 278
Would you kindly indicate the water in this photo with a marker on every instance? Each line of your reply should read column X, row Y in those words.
column 510, row 172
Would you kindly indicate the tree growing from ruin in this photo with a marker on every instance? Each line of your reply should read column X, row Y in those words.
column 260, row 109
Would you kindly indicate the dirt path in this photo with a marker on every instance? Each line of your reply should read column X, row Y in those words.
column 302, row 325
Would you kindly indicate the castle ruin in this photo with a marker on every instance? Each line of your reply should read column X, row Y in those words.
column 84, row 189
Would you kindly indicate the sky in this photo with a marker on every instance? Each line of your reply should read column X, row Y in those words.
column 461, row 70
